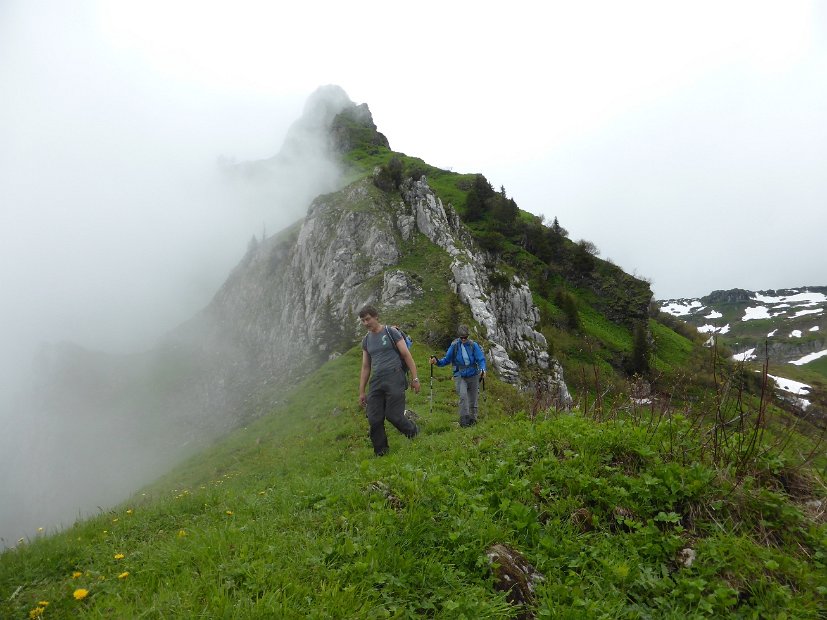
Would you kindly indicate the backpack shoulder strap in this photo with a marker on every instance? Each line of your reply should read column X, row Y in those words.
column 390, row 335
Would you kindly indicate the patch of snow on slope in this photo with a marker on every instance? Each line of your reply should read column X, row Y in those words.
column 678, row 309
column 796, row 333
column 798, row 298
column 814, row 329
column 707, row 329
column 714, row 315
column 803, row 312
column 809, row 358
column 759, row 312
column 745, row 356
column 772, row 333
column 794, row 387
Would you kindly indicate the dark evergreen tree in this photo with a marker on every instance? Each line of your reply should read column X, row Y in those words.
column 568, row 304
column 639, row 362
column 395, row 168
column 474, row 208
column 483, row 187
column 557, row 229
column 332, row 336
column 583, row 259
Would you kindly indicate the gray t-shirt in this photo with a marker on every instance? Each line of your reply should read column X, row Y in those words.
column 384, row 358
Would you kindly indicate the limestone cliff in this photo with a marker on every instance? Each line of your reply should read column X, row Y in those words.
column 266, row 325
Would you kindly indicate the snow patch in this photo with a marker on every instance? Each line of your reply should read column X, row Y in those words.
column 711, row 329
column 796, row 333
column 804, row 312
column 809, row 358
column 759, row 312
column 681, row 309
column 811, row 298
column 814, row 329
column 788, row 385
column 714, row 315
column 745, row 356
column 772, row 333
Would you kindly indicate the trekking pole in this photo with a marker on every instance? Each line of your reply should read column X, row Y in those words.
column 431, row 411
column 482, row 382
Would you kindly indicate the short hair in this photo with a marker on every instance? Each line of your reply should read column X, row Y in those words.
column 368, row 311
column 462, row 331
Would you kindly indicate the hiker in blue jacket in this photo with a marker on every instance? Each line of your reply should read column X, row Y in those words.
column 468, row 363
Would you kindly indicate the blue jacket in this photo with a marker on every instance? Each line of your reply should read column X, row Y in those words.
column 454, row 356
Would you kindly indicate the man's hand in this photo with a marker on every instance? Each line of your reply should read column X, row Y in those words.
column 415, row 385
column 432, row 359
column 363, row 400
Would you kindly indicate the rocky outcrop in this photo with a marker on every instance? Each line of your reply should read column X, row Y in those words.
column 267, row 323
column 516, row 577
column 506, row 312
column 732, row 296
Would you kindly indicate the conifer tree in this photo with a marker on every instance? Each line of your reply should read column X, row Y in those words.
column 639, row 364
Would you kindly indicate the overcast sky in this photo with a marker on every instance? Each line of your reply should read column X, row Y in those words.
column 686, row 140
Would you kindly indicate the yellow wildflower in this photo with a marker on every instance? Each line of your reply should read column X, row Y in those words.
column 123, row 575
column 37, row 612
column 81, row 593
column 129, row 512
column 77, row 574
column 40, row 530
column 230, row 513
column 119, row 556
column 43, row 603
column 115, row 520
column 182, row 533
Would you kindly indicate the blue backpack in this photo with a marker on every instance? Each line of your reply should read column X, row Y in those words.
column 457, row 362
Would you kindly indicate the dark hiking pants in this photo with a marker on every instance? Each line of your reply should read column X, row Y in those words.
column 386, row 400
column 468, row 389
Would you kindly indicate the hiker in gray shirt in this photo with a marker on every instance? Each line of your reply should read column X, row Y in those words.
column 383, row 354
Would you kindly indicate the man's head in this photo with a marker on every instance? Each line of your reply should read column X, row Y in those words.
column 369, row 317
column 462, row 332
column 368, row 311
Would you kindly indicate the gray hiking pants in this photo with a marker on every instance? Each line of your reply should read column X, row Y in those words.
column 386, row 400
column 468, row 389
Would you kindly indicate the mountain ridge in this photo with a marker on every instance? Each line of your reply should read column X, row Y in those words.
column 606, row 458
column 786, row 328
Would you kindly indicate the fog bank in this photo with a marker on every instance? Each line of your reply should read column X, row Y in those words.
column 118, row 221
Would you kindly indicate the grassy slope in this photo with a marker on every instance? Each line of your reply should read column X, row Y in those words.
column 293, row 516
column 285, row 518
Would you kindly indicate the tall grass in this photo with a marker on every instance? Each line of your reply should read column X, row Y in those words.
column 292, row 517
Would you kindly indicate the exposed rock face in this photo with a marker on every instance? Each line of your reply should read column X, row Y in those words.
column 732, row 296
column 507, row 312
column 399, row 289
column 266, row 324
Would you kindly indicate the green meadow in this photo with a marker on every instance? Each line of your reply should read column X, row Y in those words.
column 293, row 517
